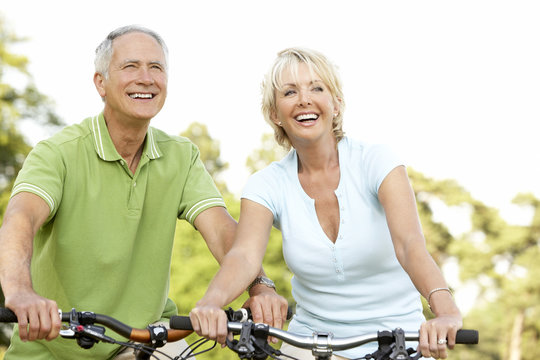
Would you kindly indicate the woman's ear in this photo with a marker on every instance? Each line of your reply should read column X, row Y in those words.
column 274, row 118
column 337, row 106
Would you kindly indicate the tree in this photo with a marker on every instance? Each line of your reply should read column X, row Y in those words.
column 16, row 104
column 502, row 260
column 209, row 150
column 267, row 153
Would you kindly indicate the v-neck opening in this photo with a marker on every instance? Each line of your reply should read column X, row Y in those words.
column 307, row 199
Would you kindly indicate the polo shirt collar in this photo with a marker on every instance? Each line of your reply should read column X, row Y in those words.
column 105, row 148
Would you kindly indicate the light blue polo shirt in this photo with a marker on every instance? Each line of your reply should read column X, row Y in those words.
column 106, row 246
column 355, row 285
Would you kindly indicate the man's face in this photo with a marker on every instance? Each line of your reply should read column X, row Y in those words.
column 136, row 87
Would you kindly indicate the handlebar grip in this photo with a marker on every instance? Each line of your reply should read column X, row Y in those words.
column 180, row 322
column 7, row 316
column 465, row 336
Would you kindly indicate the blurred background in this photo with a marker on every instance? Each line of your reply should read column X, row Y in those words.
column 453, row 87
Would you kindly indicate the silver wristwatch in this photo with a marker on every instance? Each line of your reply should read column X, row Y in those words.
column 262, row 280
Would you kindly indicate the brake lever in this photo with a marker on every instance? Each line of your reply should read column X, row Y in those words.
column 243, row 346
column 399, row 350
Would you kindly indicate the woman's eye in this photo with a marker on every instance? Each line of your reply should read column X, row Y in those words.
column 289, row 92
column 318, row 89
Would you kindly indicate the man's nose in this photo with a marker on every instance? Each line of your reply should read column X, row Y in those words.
column 145, row 76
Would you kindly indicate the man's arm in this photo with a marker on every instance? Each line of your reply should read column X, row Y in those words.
column 37, row 317
column 217, row 228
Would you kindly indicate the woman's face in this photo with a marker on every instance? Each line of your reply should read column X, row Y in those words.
column 305, row 107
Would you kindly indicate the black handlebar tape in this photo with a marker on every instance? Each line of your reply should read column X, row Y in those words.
column 464, row 336
column 180, row 323
column 7, row 316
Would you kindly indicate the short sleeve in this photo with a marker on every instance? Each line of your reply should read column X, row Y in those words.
column 378, row 161
column 260, row 188
column 200, row 192
column 43, row 174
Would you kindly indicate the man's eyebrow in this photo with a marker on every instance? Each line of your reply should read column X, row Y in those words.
column 134, row 61
column 156, row 63
column 128, row 61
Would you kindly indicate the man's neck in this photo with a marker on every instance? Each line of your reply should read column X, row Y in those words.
column 128, row 139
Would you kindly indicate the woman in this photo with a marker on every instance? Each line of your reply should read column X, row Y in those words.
column 348, row 217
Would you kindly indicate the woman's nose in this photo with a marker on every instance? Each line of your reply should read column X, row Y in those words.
column 304, row 98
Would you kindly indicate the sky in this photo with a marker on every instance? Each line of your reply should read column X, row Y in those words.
column 452, row 86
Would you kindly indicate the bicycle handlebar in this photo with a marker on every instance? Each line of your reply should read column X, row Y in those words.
column 322, row 344
column 85, row 318
column 463, row 336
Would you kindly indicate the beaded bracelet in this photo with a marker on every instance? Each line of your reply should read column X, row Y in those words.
column 434, row 291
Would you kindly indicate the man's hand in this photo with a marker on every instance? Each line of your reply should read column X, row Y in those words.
column 267, row 306
column 37, row 316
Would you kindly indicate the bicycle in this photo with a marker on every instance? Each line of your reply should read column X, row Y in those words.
column 253, row 344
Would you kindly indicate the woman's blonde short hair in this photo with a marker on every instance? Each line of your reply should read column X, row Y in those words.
column 289, row 59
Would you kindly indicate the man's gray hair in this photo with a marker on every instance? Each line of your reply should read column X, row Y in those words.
column 104, row 51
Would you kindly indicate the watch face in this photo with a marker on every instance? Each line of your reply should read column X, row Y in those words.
column 267, row 282
column 263, row 280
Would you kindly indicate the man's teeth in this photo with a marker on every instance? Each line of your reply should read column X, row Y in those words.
column 304, row 117
column 140, row 96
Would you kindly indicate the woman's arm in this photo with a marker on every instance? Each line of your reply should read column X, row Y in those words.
column 397, row 198
column 238, row 269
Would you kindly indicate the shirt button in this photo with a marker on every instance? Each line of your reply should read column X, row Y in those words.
column 134, row 184
column 122, row 162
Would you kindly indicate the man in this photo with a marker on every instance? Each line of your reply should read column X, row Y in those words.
column 92, row 216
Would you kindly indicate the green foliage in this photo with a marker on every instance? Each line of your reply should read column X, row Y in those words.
column 17, row 104
column 209, row 150
column 267, row 153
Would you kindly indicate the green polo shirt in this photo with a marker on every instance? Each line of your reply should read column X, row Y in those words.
column 106, row 246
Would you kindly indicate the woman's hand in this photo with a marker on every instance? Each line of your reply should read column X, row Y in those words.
column 209, row 321
column 267, row 307
column 439, row 333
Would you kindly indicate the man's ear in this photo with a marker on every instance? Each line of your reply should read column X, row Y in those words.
column 99, row 82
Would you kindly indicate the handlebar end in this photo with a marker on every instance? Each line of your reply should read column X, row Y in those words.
column 180, row 323
column 465, row 336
